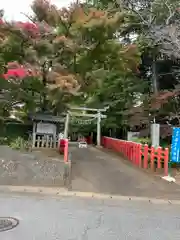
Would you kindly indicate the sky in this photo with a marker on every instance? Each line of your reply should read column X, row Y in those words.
column 14, row 8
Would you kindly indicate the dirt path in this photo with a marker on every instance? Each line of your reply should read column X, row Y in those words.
column 96, row 171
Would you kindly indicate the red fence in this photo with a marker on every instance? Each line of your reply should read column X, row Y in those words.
column 140, row 155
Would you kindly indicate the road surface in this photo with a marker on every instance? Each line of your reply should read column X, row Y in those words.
column 96, row 171
column 73, row 218
column 45, row 216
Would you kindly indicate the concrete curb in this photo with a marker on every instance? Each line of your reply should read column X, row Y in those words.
column 169, row 179
column 62, row 192
column 67, row 178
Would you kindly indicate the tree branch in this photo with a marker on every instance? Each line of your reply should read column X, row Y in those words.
column 171, row 13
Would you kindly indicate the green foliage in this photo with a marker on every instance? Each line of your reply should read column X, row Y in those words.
column 90, row 64
column 19, row 143
column 93, row 60
column 142, row 140
column 3, row 141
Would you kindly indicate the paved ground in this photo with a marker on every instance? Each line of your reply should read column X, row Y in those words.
column 96, row 171
column 34, row 169
column 92, row 171
column 47, row 218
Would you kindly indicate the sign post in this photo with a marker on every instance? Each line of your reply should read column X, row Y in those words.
column 175, row 152
column 175, row 146
column 132, row 135
column 155, row 132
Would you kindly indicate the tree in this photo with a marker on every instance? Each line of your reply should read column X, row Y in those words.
column 81, row 46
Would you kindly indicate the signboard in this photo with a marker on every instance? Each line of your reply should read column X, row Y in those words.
column 46, row 128
column 175, row 146
column 155, row 132
column 131, row 135
column 61, row 135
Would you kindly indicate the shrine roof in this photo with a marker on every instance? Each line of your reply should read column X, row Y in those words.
column 46, row 117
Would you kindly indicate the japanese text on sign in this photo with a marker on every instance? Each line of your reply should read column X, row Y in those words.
column 175, row 147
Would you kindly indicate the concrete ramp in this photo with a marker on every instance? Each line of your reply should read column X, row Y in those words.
column 96, row 171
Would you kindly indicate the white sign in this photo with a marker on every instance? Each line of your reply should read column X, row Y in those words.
column 46, row 128
column 131, row 135
column 155, row 134
column 61, row 135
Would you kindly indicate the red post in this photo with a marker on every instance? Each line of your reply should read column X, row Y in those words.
column 159, row 156
column 132, row 153
column 134, row 149
column 166, row 161
column 125, row 149
column 102, row 141
column 118, row 146
column 122, row 147
column 145, row 153
column 152, row 157
column 138, row 155
column 66, row 150
column 61, row 146
column 128, row 151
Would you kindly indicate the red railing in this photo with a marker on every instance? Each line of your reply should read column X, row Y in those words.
column 140, row 155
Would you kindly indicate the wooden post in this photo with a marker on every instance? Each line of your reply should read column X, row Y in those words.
column 38, row 142
column 99, row 129
column 34, row 135
column 43, row 141
column 66, row 126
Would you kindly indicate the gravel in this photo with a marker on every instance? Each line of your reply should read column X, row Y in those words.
column 30, row 168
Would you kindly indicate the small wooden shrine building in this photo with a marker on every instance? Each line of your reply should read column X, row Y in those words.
column 46, row 129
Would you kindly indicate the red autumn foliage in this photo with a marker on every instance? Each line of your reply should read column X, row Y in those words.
column 14, row 69
column 29, row 27
column 17, row 71
column 163, row 98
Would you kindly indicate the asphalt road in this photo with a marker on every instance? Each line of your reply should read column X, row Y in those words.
column 52, row 217
column 72, row 218
column 96, row 171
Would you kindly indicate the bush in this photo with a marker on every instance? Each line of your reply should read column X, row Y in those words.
column 142, row 140
column 19, row 143
column 3, row 141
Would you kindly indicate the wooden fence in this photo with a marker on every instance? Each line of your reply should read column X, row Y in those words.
column 45, row 141
column 140, row 155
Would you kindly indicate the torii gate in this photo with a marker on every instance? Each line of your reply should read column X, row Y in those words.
column 98, row 114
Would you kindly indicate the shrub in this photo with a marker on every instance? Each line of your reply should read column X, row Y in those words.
column 142, row 140
column 19, row 143
column 3, row 141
